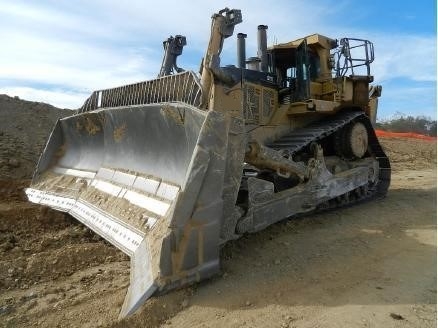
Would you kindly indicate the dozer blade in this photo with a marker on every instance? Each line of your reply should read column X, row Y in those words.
column 149, row 179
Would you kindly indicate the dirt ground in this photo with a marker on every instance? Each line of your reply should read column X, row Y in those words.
column 372, row 265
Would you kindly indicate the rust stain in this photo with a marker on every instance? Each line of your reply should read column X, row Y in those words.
column 119, row 132
column 173, row 113
column 92, row 127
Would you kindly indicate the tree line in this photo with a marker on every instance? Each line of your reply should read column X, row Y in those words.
column 402, row 123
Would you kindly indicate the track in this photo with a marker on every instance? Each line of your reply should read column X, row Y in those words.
column 296, row 141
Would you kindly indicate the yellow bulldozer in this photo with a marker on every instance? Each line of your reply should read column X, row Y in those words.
column 169, row 169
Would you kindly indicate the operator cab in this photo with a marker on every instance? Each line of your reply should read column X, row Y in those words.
column 299, row 63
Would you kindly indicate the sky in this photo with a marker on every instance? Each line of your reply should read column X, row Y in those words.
column 59, row 51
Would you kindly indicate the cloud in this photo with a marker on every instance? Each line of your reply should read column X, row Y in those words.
column 409, row 56
column 73, row 65
column 44, row 18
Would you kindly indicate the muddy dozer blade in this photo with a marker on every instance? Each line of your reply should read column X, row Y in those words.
column 149, row 179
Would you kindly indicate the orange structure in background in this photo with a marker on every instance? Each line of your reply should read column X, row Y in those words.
column 388, row 134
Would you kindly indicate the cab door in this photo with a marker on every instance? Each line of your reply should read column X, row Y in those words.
column 302, row 73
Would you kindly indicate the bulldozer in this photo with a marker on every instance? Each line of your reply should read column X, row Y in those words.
column 169, row 169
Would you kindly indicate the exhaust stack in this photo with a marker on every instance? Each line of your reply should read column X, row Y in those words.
column 241, row 51
column 262, row 47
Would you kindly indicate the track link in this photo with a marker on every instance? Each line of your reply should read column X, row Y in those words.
column 296, row 141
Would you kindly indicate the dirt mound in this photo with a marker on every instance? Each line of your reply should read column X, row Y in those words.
column 24, row 129
column 410, row 154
